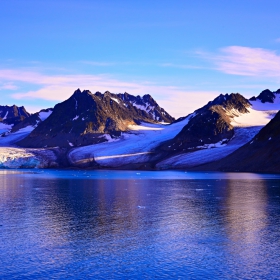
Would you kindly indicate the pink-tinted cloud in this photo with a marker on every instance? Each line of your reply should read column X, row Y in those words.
column 58, row 88
column 245, row 61
column 8, row 87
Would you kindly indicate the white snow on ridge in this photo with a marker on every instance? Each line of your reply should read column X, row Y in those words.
column 147, row 108
column 5, row 115
column 44, row 115
column 115, row 99
column 253, row 118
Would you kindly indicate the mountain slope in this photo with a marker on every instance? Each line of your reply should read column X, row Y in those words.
column 246, row 123
column 87, row 118
column 261, row 154
column 210, row 124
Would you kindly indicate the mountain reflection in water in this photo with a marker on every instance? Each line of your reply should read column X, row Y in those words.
column 195, row 225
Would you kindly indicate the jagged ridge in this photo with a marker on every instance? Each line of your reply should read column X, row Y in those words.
column 84, row 118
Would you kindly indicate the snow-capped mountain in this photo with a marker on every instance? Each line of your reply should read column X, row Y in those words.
column 10, row 116
column 245, row 123
column 87, row 118
column 33, row 120
column 209, row 124
column 267, row 96
column 260, row 154
column 123, row 131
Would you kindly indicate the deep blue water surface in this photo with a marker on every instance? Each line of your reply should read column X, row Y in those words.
column 139, row 225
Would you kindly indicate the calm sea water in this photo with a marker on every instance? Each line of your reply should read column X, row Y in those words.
column 139, row 225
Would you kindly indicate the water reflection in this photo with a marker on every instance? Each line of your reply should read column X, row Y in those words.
column 245, row 206
column 141, row 228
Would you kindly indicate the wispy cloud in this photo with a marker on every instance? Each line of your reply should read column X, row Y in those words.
column 278, row 40
column 181, row 66
column 98, row 63
column 8, row 87
column 245, row 61
column 57, row 88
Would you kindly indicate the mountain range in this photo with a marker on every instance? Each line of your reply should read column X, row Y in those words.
column 122, row 131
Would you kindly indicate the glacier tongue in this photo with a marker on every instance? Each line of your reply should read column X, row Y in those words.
column 26, row 158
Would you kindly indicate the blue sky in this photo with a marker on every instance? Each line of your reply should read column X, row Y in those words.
column 183, row 53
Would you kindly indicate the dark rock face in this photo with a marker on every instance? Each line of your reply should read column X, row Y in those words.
column 32, row 120
column 13, row 114
column 209, row 124
column 148, row 104
column 266, row 96
column 261, row 154
column 85, row 117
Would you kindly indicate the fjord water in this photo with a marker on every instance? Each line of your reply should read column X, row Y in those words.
column 128, row 224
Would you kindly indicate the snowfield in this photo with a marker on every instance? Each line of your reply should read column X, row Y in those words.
column 9, row 139
column 132, row 147
column 242, row 136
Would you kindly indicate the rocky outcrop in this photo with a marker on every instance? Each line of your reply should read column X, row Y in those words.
column 85, row 118
column 261, row 154
column 13, row 115
column 266, row 96
column 33, row 120
column 209, row 124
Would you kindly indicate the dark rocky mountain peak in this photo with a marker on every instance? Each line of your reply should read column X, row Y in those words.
column 209, row 125
column 13, row 114
column 146, row 104
column 266, row 96
column 33, row 119
column 84, row 118
column 230, row 101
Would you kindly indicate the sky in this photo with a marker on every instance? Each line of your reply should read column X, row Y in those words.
column 183, row 53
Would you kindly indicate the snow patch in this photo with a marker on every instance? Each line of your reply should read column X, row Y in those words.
column 115, row 99
column 45, row 115
column 253, row 118
column 5, row 115
column 108, row 138
column 219, row 144
column 70, row 144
